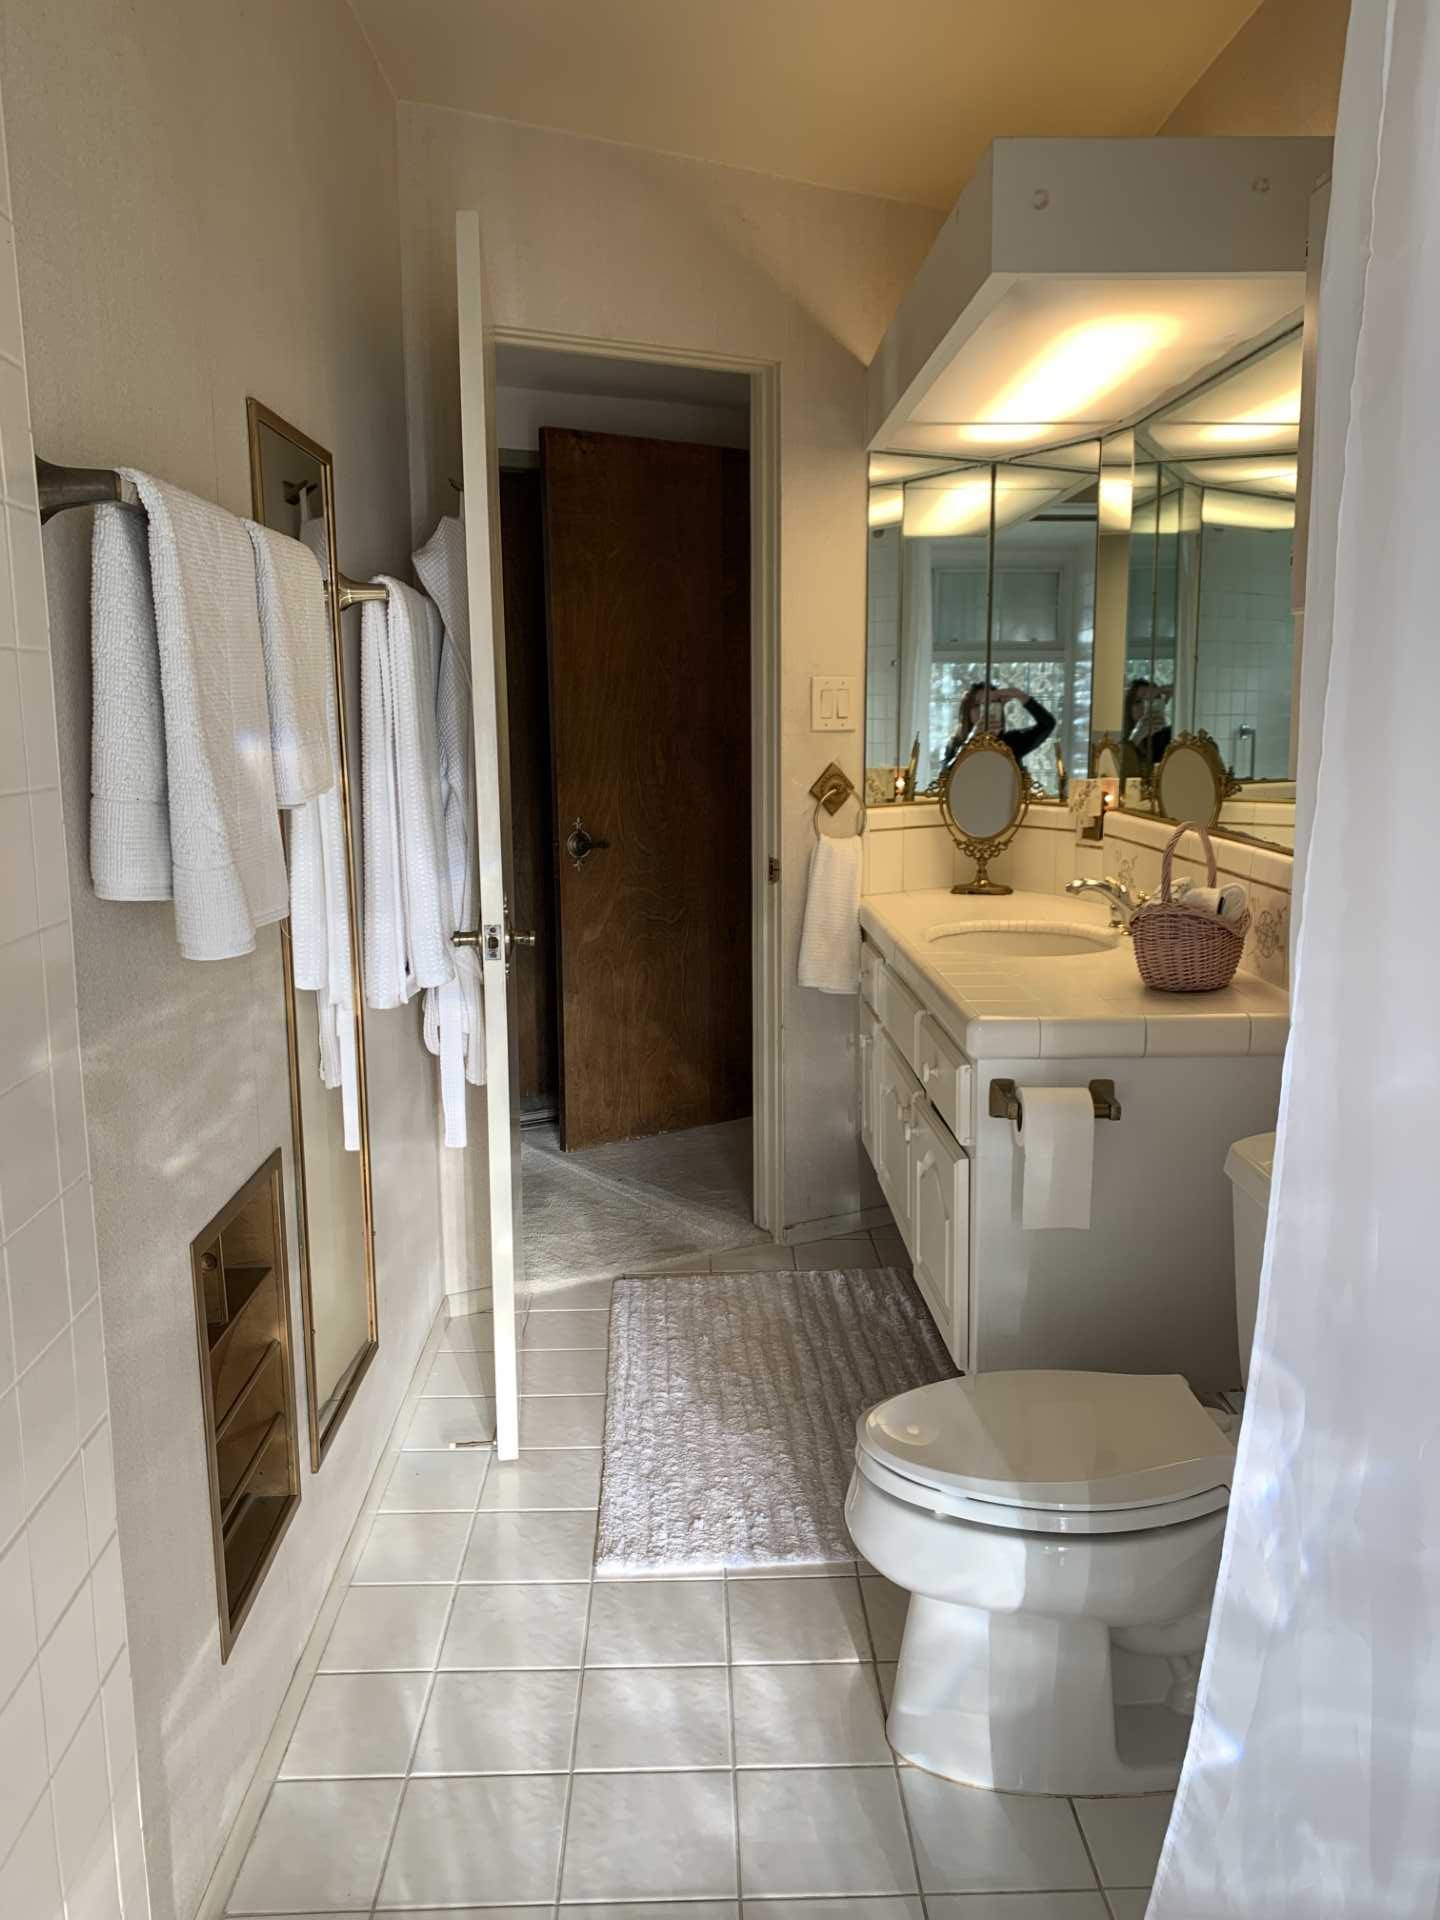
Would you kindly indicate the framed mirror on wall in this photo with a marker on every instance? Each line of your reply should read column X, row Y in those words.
column 292, row 492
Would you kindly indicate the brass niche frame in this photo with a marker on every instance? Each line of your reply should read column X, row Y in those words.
column 258, row 415
column 1205, row 744
column 983, row 851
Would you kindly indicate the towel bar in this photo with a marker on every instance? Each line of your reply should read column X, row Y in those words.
column 62, row 487
column 1006, row 1104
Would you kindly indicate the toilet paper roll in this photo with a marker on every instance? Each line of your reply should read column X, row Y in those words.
column 1056, row 1139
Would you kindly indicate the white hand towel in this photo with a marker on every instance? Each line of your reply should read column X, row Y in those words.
column 408, row 917
column 830, row 940
column 320, row 926
column 295, row 643
column 228, row 861
column 129, row 809
column 455, row 1014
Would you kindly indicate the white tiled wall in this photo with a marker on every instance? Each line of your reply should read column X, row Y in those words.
column 70, row 1830
column 909, row 848
column 1246, row 642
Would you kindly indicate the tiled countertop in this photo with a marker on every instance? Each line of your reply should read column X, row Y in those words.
column 1081, row 1006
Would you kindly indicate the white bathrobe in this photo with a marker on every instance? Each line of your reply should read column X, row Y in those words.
column 408, row 915
column 454, row 1013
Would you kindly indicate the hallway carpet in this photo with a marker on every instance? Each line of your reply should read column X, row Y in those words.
column 733, row 1398
column 613, row 1209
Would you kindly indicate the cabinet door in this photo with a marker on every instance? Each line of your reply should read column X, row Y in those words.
column 894, row 1100
column 940, row 1213
column 865, row 1065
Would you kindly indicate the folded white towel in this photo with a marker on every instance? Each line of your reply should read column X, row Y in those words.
column 408, row 917
column 129, row 810
column 830, row 940
column 295, row 644
column 228, row 861
column 454, row 1014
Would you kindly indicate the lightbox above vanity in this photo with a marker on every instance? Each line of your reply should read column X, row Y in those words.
column 1084, row 428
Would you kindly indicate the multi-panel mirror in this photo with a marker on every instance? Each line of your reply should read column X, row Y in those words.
column 292, row 489
column 981, row 615
column 1092, row 603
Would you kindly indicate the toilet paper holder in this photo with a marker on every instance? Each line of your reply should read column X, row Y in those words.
column 1006, row 1104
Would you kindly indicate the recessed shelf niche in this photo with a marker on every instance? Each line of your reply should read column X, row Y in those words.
column 247, row 1386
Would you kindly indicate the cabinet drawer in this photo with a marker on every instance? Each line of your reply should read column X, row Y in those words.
column 899, row 1012
column 870, row 965
column 940, row 1229
column 946, row 1075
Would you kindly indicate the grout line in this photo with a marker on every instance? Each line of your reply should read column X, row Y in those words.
column 1085, row 1842
column 429, row 1687
column 894, row 1757
column 575, row 1735
column 734, row 1744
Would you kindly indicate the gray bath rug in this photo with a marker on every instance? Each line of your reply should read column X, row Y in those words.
column 730, row 1423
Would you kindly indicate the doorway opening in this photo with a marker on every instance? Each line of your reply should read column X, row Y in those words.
column 625, row 514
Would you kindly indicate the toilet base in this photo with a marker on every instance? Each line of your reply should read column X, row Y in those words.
column 1027, row 1703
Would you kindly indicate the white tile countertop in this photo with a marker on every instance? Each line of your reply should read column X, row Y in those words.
column 1079, row 1006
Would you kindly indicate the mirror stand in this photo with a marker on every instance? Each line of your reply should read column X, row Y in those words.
column 982, row 852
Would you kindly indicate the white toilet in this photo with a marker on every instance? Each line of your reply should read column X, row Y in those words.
column 1059, row 1535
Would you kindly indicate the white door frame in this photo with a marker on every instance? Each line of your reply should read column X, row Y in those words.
column 767, row 1006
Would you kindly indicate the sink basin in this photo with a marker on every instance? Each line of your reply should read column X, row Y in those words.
column 1024, row 939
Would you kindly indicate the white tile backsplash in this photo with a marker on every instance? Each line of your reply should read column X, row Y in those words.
column 70, row 1828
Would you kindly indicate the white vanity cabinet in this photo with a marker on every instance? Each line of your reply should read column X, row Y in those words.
column 914, row 1110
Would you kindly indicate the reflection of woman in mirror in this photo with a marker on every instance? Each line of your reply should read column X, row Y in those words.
column 1146, row 727
column 983, row 711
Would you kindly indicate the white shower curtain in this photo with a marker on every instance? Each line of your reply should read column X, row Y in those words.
column 1311, row 1789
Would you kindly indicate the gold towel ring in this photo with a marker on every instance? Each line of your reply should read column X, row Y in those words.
column 829, row 794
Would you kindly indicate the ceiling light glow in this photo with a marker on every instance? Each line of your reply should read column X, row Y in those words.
column 1081, row 365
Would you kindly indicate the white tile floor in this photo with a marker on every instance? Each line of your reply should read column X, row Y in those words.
column 493, row 1732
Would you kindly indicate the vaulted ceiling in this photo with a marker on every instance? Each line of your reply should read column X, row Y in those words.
column 897, row 99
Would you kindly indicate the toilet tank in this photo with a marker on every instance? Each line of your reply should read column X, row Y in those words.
column 1249, row 1164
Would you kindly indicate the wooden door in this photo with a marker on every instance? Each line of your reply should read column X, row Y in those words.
column 532, row 827
column 648, row 588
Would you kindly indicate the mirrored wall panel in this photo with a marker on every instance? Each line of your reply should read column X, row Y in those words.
column 1098, row 602
column 292, row 484
column 981, row 615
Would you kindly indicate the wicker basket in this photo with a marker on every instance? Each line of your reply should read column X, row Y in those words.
column 1178, row 950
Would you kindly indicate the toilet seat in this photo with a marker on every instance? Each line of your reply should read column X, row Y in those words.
column 1050, row 1451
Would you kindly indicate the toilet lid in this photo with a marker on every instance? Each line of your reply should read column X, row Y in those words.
column 1084, row 1441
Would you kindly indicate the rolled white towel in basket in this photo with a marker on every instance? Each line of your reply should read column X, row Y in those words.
column 830, row 939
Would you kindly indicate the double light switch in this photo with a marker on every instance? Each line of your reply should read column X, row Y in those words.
column 832, row 703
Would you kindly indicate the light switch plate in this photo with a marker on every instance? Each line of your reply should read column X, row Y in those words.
column 833, row 703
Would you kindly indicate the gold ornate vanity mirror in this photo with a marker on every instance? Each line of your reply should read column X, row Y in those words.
column 984, row 796
column 293, row 492
column 1191, row 782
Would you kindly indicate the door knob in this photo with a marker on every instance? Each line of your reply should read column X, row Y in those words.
column 580, row 844
column 492, row 940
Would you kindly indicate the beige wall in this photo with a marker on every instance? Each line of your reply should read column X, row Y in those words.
column 207, row 204
column 1280, row 74
column 610, row 243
